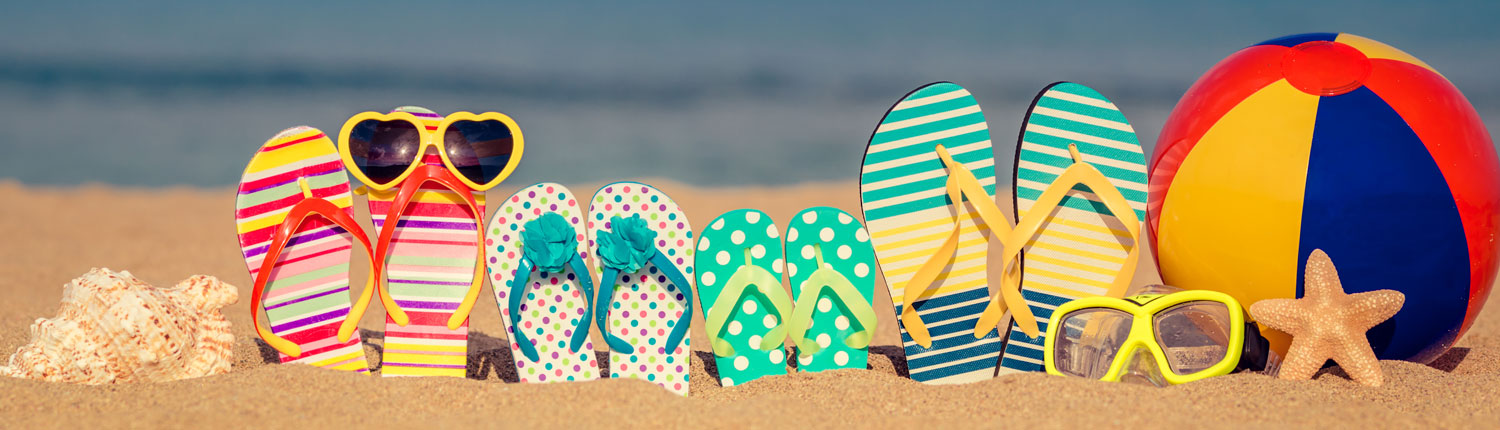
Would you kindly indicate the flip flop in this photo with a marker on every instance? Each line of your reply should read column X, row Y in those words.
column 430, row 272
column 831, row 266
column 293, row 205
column 1069, row 241
column 644, row 306
column 739, row 264
column 931, row 147
column 543, row 286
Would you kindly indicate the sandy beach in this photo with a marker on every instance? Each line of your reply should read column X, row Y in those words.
column 52, row 235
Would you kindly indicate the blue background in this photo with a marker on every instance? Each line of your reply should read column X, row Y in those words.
column 156, row 93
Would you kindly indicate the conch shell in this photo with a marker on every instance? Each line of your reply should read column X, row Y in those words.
column 113, row 328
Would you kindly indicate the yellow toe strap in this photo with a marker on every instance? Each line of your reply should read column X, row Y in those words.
column 961, row 184
column 1028, row 227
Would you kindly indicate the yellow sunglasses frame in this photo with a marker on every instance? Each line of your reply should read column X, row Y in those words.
column 432, row 138
column 1143, row 335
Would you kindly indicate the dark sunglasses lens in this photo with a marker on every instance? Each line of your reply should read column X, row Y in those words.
column 384, row 149
column 479, row 149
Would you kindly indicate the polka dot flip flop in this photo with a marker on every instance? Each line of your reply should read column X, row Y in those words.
column 644, row 306
column 538, row 269
column 831, row 264
column 744, row 305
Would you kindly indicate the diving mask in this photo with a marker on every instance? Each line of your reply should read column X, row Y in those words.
column 1164, row 336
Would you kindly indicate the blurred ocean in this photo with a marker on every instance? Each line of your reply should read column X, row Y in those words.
column 153, row 93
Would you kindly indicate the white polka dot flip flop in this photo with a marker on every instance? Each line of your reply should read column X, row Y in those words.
column 644, row 305
column 538, row 269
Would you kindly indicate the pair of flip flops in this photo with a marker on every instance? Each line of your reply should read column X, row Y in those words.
column 927, row 188
column 830, row 263
column 425, row 276
column 540, row 245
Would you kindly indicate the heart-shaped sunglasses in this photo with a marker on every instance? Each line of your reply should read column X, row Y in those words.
column 383, row 149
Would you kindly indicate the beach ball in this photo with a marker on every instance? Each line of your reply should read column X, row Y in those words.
column 1336, row 142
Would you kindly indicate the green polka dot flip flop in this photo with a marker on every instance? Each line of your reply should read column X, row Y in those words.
column 744, row 305
column 831, row 265
column 644, row 306
column 538, row 269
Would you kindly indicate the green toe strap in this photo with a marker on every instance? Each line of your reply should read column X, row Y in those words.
column 843, row 291
column 734, row 292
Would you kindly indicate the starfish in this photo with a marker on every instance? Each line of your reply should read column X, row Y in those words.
column 1328, row 324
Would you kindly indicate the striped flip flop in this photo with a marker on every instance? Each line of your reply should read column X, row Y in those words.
column 906, row 191
column 306, row 289
column 644, row 306
column 831, row 266
column 745, row 307
column 551, row 308
column 1074, row 243
column 430, row 271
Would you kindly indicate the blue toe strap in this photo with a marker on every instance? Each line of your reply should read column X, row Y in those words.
column 548, row 243
column 626, row 249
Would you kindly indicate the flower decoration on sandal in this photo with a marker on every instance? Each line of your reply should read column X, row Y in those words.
column 626, row 248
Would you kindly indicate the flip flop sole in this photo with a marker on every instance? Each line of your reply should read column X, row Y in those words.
column 554, row 302
column 429, row 269
column 721, row 252
column 902, row 185
column 846, row 248
column 1081, row 248
column 307, row 297
column 646, row 306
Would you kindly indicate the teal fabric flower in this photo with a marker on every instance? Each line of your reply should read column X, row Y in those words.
column 549, row 242
column 628, row 245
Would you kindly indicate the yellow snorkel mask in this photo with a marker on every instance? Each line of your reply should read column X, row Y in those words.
column 1164, row 336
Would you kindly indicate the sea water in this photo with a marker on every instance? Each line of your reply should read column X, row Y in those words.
column 182, row 93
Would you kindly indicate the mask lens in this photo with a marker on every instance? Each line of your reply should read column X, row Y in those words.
column 480, row 150
column 1089, row 340
column 383, row 150
column 1194, row 335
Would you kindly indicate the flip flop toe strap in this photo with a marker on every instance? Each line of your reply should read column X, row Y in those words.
column 1079, row 173
column 298, row 213
column 844, row 291
column 550, row 244
column 422, row 175
column 735, row 290
column 961, row 184
column 626, row 248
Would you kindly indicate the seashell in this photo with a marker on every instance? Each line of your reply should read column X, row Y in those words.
column 113, row 328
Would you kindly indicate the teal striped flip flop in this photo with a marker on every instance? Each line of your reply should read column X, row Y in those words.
column 739, row 263
column 831, row 266
column 1081, row 248
column 902, row 193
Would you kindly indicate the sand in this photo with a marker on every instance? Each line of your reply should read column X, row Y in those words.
column 51, row 235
